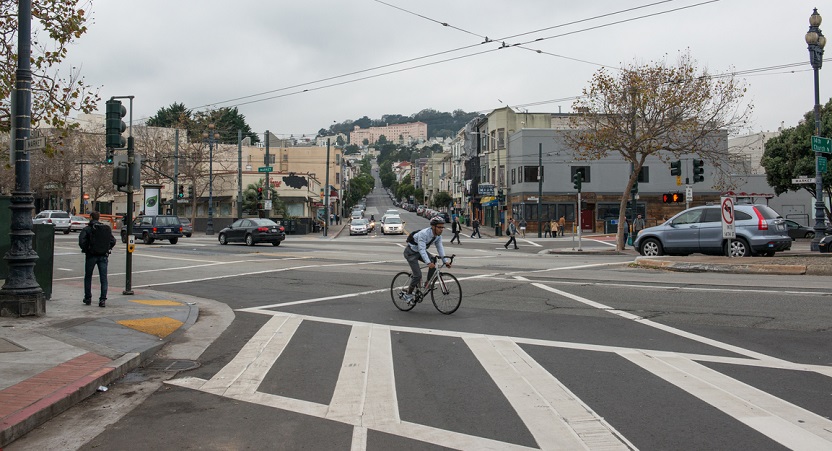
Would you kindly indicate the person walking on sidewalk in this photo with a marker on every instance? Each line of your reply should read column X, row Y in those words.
column 523, row 227
column 456, row 227
column 562, row 225
column 547, row 228
column 554, row 227
column 476, row 226
column 638, row 226
column 96, row 241
column 511, row 231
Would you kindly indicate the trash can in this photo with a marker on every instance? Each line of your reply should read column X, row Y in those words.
column 43, row 244
column 290, row 225
column 611, row 226
column 825, row 244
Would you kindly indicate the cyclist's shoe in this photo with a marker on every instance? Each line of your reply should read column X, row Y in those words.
column 409, row 298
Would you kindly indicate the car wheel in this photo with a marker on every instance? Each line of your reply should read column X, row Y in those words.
column 66, row 232
column 809, row 235
column 174, row 240
column 223, row 239
column 737, row 248
column 651, row 247
column 124, row 237
column 767, row 254
column 146, row 239
column 188, row 235
column 276, row 243
column 249, row 240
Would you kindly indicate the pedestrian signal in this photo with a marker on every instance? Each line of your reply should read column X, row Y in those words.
column 673, row 198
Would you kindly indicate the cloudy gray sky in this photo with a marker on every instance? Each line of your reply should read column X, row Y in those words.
column 207, row 53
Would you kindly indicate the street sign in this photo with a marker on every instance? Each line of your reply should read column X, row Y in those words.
column 822, row 165
column 727, row 210
column 803, row 180
column 689, row 194
column 820, row 144
column 267, row 205
column 35, row 143
column 265, row 169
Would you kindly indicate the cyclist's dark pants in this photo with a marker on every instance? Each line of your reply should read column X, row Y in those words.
column 415, row 261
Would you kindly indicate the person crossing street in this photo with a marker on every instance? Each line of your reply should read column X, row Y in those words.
column 456, row 227
column 511, row 230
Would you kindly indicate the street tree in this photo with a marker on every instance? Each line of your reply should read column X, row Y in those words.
column 659, row 110
column 442, row 199
column 789, row 155
column 56, row 90
column 250, row 199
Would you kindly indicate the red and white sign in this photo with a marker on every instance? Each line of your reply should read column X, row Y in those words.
column 727, row 210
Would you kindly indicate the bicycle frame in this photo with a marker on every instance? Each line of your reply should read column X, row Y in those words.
column 429, row 284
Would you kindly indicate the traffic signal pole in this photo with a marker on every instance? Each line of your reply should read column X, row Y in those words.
column 131, row 162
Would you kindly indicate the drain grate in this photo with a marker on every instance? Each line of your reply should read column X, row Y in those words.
column 173, row 365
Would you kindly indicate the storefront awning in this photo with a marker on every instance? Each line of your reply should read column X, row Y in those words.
column 488, row 201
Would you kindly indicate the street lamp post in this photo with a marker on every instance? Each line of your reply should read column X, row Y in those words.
column 211, row 136
column 816, row 42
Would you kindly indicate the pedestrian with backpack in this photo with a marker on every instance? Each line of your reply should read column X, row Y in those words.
column 96, row 240
column 476, row 226
column 511, row 231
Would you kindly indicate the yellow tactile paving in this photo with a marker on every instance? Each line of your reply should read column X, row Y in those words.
column 157, row 302
column 160, row 327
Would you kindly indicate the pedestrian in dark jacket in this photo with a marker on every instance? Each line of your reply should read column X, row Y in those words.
column 96, row 240
column 476, row 226
column 456, row 227
column 511, row 231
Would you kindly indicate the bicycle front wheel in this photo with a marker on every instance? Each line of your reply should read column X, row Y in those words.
column 446, row 293
column 399, row 287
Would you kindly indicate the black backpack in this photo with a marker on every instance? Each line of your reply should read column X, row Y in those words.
column 411, row 240
column 100, row 238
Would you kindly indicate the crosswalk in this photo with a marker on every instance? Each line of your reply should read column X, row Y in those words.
column 365, row 395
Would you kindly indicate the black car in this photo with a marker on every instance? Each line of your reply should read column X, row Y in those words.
column 252, row 231
column 799, row 231
column 154, row 227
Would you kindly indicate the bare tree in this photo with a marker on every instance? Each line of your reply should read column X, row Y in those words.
column 657, row 110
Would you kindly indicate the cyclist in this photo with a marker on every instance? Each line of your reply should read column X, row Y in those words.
column 416, row 252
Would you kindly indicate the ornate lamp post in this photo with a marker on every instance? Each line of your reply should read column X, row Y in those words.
column 816, row 42
column 211, row 136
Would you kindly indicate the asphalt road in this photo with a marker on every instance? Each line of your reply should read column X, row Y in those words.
column 546, row 351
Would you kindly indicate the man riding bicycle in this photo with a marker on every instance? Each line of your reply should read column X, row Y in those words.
column 416, row 253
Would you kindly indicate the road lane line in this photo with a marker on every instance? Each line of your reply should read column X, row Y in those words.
column 530, row 242
column 549, row 427
column 228, row 375
column 348, row 398
column 359, row 439
column 785, row 423
column 192, row 266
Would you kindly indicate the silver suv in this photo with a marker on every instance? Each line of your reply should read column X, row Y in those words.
column 760, row 231
column 59, row 218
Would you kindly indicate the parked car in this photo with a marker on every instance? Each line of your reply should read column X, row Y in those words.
column 187, row 227
column 154, row 227
column 359, row 227
column 58, row 218
column 797, row 230
column 392, row 225
column 759, row 229
column 77, row 223
column 252, row 231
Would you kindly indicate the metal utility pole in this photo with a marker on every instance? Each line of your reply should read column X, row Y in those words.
column 21, row 295
column 267, row 161
column 239, row 174
column 176, row 174
column 326, row 188
column 816, row 41
column 539, row 189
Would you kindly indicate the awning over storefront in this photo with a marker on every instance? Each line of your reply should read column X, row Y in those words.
column 488, row 201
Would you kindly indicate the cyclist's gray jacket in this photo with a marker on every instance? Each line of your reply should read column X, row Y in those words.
column 422, row 238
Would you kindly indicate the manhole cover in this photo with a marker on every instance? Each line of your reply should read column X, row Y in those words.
column 173, row 365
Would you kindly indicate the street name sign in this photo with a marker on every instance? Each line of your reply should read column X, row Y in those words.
column 822, row 165
column 803, row 180
column 38, row 143
column 821, row 144
column 265, row 169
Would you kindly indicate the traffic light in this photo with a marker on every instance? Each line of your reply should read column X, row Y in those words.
column 111, row 155
column 673, row 198
column 698, row 171
column 577, row 180
column 634, row 188
column 259, row 193
column 190, row 192
column 120, row 176
column 114, row 125
column 181, row 194
column 676, row 167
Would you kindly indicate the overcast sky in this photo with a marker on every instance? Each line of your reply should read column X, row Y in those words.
column 205, row 53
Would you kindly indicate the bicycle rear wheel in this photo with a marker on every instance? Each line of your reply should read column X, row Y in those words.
column 399, row 286
column 446, row 293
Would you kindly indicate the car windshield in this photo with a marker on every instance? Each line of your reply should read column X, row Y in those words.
column 79, row 218
column 60, row 214
column 184, row 220
column 263, row 222
column 360, row 222
column 167, row 220
column 393, row 220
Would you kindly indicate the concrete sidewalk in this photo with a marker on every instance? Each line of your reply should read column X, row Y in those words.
column 50, row 363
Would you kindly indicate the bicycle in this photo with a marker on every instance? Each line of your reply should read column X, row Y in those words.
column 446, row 300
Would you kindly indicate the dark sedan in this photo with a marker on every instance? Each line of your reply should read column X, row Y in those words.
column 799, row 231
column 252, row 231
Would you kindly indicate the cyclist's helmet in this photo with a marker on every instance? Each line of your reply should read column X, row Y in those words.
column 436, row 220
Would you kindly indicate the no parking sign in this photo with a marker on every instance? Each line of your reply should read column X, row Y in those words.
column 727, row 214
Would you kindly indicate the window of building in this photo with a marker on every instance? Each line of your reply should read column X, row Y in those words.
column 584, row 169
column 520, row 174
column 512, row 176
column 530, row 173
column 338, row 177
column 501, row 138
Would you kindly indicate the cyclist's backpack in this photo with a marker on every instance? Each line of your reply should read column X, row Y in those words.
column 411, row 240
column 100, row 237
